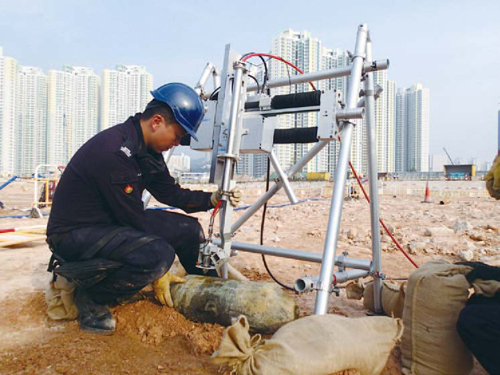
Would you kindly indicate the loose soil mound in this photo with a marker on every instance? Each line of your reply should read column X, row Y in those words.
column 149, row 339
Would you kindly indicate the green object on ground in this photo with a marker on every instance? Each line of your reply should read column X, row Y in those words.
column 212, row 300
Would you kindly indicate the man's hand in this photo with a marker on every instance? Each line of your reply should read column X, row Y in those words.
column 234, row 197
column 162, row 288
column 493, row 179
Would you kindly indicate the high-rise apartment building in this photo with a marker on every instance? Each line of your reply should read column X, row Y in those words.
column 9, row 69
column 73, row 111
column 417, row 114
column 31, row 120
column 332, row 59
column 412, row 129
column 179, row 163
column 380, row 79
column 391, row 126
column 308, row 54
column 304, row 51
column 125, row 91
column 46, row 118
column 252, row 165
column 401, row 141
column 385, row 113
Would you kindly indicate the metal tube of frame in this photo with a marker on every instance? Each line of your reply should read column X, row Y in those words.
column 35, row 193
column 275, row 188
column 274, row 251
column 350, row 114
column 342, row 114
column 216, row 77
column 378, row 91
column 233, row 121
column 346, row 262
column 361, row 264
column 373, row 178
column 204, row 78
column 167, row 155
column 234, row 118
column 308, row 283
column 342, row 277
column 324, row 74
column 146, row 195
column 327, row 265
column 283, row 178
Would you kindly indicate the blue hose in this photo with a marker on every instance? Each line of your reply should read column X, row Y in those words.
column 18, row 216
column 8, row 182
column 246, row 207
column 174, row 208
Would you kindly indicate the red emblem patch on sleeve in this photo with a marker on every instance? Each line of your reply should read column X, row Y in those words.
column 128, row 189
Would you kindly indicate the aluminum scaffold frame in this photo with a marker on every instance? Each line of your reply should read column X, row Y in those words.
column 242, row 120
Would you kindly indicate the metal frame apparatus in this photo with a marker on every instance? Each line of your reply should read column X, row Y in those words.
column 241, row 121
column 49, row 168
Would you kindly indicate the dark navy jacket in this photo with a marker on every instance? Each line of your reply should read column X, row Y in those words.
column 103, row 183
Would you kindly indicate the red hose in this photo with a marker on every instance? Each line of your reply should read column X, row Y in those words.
column 350, row 164
column 381, row 221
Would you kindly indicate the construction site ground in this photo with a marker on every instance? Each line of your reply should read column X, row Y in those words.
column 155, row 339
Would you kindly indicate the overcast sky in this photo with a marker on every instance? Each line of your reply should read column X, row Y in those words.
column 451, row 47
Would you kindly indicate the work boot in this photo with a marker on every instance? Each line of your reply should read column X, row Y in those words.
column 93, row 317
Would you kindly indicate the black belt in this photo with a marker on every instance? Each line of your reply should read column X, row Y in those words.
column 76, row 270
column 55, row 239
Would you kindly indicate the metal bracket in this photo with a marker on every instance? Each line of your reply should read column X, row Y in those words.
column 328, row 127
column 378, row 275
column 312, row 283
column 211, row 257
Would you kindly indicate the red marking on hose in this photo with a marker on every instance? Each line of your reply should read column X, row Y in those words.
column 216, row 208
column 279, row 59
column 211, row 222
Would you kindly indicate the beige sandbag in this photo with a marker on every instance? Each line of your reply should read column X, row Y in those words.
column 355, row 289
column 487, row 288
column 435, row 295
column 314, row 345
column 392, row 298
column 59, row 298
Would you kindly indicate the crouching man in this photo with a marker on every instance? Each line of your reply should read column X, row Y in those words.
column 99, row 233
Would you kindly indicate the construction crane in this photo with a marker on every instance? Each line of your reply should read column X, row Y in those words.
column 449, row 157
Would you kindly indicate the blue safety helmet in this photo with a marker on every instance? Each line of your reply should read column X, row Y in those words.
column 185, row 104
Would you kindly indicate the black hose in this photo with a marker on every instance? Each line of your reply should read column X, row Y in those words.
column 262, row 236
column 257, row 82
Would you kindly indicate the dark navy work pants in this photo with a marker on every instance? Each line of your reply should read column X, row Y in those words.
column 479, row 327
column 178, row 234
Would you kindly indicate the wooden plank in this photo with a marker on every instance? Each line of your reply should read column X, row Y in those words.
column 10, row 239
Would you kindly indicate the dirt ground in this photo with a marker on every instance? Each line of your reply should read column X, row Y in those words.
column 154, row 339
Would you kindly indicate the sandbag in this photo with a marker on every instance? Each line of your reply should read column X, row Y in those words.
column 355, row 289
column 59, row 298
column 213, row 300
column 314, row 345
column 392, row 298
column 435, row 295
column 486, row 288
